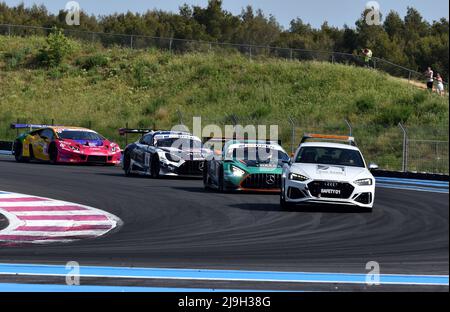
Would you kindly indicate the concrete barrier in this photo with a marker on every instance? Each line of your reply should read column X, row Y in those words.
column 6, row 147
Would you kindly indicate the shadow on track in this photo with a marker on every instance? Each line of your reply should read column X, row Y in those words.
column 303, row 208
column 139, row 176
column 203, row 190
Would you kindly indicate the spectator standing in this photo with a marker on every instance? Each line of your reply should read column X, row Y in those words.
column 440, row 84
column 367, row 56
column 429, row 74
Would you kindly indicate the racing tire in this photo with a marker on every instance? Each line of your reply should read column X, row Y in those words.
column 205, row 177
column 127, row 165
column 284, row 204
column 53, row 154
column 221, row 182
column 30, row 148
column 154, row 167
column 18, row 152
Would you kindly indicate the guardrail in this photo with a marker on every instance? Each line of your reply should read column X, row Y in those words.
column 6, row 147
column 187, row 45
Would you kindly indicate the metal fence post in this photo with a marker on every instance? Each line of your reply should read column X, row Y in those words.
column 126, row 134
column 350, row 128
column 131, row 41
column 170, row 44
column 180, row 117
column 9, row 30
column 291, row 54
column 292, row 134
column 250, row 52
column 405, row 148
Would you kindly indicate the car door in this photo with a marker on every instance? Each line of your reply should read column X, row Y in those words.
column 141, row 154
column 41, row 144
column 36, row 145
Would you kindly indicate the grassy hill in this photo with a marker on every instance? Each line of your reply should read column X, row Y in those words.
column 107, row 88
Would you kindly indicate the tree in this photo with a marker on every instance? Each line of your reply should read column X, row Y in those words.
column 56, row 49
column 393, row 25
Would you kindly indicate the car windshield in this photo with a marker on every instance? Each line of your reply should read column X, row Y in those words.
column 261, row 155
column 330, row 156
column 80, row 135
column 179, row 143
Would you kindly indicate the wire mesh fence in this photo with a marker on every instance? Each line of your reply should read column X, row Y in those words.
column 177, row 45
column 417, row 149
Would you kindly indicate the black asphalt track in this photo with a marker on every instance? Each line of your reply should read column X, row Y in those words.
column 174, row 223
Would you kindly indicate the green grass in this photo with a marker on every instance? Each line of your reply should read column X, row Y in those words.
column 107, row 88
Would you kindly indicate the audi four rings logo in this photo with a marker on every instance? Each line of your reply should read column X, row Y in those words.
column 331, row 184
column 270, row 179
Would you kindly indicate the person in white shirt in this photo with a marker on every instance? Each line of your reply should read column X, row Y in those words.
column 440, row 85
column 430, row 78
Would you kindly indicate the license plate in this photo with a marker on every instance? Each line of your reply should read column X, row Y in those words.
column 330, row 192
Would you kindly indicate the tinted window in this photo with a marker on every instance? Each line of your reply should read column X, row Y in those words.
column 147, row 139
column 80, row 135
column 330, row 156
column 258, row 154
column 47, row 134
column 178, row 143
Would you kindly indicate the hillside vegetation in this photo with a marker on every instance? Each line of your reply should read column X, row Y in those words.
column 106, row 89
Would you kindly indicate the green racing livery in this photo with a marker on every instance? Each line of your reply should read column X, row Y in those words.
column 246, row 165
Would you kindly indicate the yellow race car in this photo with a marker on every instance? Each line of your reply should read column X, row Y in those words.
column 60, row 144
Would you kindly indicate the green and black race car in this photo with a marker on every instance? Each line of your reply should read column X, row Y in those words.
column 246, row 165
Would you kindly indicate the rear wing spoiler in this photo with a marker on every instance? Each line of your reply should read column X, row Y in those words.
column 327, row 137
column 28, row 126
column 124, row 131
column 212, row 140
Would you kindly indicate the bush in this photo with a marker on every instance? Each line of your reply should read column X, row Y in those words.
column 14, row 59
column 89, row 62
column 365, row 104
column 392, row 115
column 56, row 49
column 154, row 105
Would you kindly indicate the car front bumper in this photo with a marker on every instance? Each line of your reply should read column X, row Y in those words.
column 69, row 157
column 296, row 192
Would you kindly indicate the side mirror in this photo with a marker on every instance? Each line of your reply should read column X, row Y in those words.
column 373, row 166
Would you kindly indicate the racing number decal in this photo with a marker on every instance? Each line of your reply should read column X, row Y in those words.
column 147, row 159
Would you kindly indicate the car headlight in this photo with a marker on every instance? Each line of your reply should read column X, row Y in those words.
column 364, row 182
column 172, row 158
column 237, row 172
column 115, row 148
column 298, row 177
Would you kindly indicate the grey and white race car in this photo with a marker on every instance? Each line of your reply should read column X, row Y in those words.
column 159, row 153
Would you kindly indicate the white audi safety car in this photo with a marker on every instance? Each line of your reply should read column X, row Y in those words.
column 326, row 170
